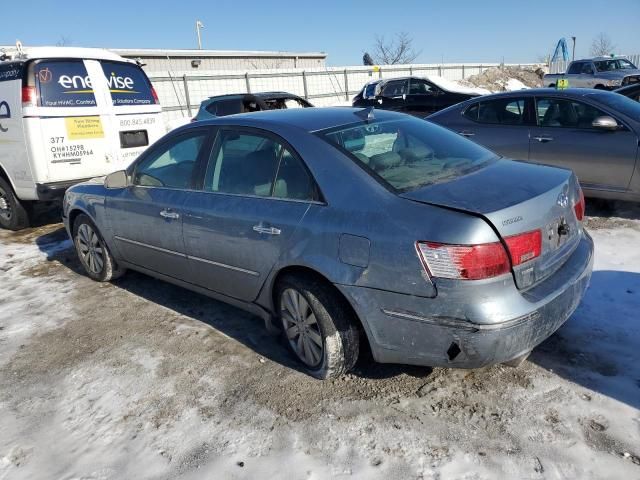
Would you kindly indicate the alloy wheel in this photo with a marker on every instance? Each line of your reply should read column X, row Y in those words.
column 301, row 327
column 90, row 248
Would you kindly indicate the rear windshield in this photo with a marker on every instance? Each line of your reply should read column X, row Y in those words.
column 619, row 103
column 64, row 84
column 409, row 153
column 128, row 84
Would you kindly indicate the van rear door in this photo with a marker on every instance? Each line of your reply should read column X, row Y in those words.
column 64, row 120
column 136, row 115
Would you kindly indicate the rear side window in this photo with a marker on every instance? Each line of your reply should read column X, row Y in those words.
column 509, row 111
column 64, row 84
column 576, row 67
column 128, row 84
column 256, row 165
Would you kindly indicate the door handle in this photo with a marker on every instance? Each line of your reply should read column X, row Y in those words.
column 467, row 134
column 266, row 230
column 543, row 139
column 166, row 213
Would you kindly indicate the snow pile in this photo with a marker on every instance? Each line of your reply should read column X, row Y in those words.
column 506, row 78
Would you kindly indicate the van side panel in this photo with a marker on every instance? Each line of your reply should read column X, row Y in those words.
column 14, row 158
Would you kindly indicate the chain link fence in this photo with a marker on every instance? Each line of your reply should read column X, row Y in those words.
column 181, row 93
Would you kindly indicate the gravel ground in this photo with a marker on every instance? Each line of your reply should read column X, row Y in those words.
column 141, row 379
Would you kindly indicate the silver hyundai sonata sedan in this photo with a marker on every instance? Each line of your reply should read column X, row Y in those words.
column 345, row 227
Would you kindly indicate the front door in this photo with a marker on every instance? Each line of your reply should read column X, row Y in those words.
column 147, row 216
column 565, row 137
column 255, row 192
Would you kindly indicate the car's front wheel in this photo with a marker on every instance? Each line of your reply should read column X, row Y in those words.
column 92, row 251
column 318, row 325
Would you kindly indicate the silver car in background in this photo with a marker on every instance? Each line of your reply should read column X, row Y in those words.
column 592, row 132
column 347, row 226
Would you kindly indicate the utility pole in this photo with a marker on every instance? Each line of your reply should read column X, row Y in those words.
column 573, row 55
column 199, row 25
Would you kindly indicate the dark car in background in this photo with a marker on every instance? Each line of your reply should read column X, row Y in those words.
column 631, row 91
column 348, row 227
column 593, row 132
column 222, row 105
column 412, row 95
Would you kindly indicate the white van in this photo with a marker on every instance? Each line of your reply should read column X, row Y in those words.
column 66, row 115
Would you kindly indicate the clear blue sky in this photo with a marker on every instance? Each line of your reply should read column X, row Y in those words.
column 458, row 30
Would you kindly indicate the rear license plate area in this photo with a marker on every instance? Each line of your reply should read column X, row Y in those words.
column 134, row 138
column 559, row 232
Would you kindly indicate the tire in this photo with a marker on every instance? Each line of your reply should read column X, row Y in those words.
column 329, row 344
column 93, row 253
column 14, row 215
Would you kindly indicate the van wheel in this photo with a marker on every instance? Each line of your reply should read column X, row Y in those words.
column 317, row 326
column 92, row 251
column 13, row 214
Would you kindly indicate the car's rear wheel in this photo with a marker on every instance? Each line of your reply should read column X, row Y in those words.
column 318, row 325
column 93, row 253
column 13, row 214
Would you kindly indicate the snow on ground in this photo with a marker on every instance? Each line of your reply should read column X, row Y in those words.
column 141, row 379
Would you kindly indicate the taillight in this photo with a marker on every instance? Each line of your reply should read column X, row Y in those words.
column 28, row 96
column 579, row 207
column 464, row 262
column 475, row 262
column 524, row 246
column 154, row 95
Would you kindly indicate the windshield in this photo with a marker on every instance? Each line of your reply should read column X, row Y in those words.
column 615, row 64
column 409, row 153
column 370, row 90
column 619, row 103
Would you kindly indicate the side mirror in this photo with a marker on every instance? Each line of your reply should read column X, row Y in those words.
column 605, row 122
column 117, row 179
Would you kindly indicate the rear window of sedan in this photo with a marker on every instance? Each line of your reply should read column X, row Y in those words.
column 409, row 153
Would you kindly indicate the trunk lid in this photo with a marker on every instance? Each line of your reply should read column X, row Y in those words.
column 515, row 198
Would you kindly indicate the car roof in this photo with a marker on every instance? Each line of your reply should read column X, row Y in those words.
column 530, row 92
column 308, row 119
column 262, row 95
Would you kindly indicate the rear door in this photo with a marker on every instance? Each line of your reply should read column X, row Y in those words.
column 132, row 106
column 564, row 137
column 393, row 95
column 421, row 99
column 147, row 216
column 502, row 125
column 65, row 122
column 255, row 192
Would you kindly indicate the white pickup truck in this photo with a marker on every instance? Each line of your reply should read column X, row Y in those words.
column 606, row 73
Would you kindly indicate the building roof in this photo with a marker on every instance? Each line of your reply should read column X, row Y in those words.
column 159, row 52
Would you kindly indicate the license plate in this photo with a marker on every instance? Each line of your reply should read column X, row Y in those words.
column 134, row 138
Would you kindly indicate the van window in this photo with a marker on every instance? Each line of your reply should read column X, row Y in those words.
column 128, row 84
column 64, row 84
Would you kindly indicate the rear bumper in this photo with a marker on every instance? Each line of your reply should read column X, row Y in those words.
column 55, row 190
column 463, row 333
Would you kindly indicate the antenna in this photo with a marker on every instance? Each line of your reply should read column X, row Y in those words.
column 366, row 114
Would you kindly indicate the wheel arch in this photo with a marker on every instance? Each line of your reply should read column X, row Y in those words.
column 5, row 176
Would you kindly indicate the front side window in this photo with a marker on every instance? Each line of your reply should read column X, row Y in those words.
column 256, row 165
column 614, row 64
column 128, row 84
column 64, row 84
column 558, row 112
column 170, row 166
column 508, row 111
column 409, row 153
